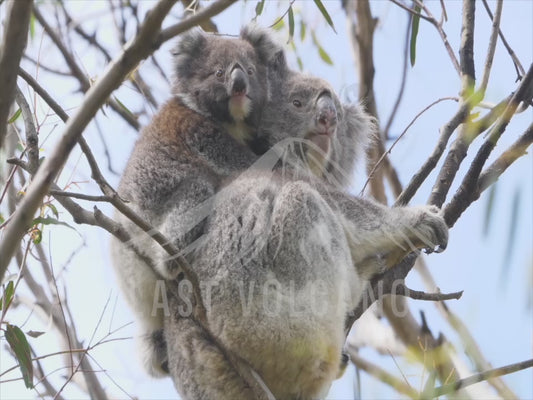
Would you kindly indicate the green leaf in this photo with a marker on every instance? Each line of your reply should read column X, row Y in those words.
column 15, row 116
column 32, row 25
column 514, row 222
column 2, row 219
column 302, row 30
column 300, row 63
column 18, row 343
column 414, row 34
column 54, row 209
column 124, row 107
column 291, row 23
column 325, row 14
column 8, row 295
column 34, row 334
column 279, row 24
column 489, row 209
column 324, row 56
column 259, row 8
column 36, row 235
column 50, row 221
column 321, row 52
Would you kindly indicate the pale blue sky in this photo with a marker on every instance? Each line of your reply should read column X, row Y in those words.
column 495, row 309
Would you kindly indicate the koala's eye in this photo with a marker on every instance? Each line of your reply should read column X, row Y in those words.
column 297, row 103
column 219, row 73
column 250, row 71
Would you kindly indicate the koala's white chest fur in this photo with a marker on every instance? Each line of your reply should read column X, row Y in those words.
column 239, row 130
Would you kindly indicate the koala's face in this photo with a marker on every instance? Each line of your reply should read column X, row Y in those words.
column 307, row 111
column 221, row 78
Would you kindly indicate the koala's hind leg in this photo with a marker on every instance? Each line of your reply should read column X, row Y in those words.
column 199, row 369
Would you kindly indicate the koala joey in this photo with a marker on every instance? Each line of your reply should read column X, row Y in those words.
column 196, row 139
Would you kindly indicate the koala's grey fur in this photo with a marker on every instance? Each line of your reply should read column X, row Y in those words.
column 282, row 255
column 192, row 144
column 287, row 238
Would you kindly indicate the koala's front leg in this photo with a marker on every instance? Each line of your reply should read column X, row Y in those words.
column 183, row 223
column 380, row 236
column 424, row 229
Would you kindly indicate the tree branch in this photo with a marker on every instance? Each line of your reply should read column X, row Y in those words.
column 32, row 140
column 517, row 150
column 139, row 48
column 382, row 375
column 492, row 47
column 418, row 178
column 520, row 71
column 463, row 197
column 483, row 376
column 12, row 46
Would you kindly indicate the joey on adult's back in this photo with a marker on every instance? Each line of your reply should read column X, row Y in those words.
column 227, row 84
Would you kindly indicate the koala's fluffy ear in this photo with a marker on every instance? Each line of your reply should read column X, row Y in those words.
column 270, row 52
column 188, row 48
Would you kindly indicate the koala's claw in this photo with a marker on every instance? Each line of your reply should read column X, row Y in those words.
column 435, row 229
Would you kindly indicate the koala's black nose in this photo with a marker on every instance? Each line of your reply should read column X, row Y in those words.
column 326, row 112
column 238, row 81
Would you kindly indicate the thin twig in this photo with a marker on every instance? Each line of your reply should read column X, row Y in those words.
column 445, row 134
column 520, row 71
column 492, row 46
column 78, row 73
column 498, row 167
column 381, row 374
column 482, row 376
column 402, row 290
column 32, row 140
column 464, row 195
column 12, row 46
column 404, row 80
column 412, row 12
column 442, row 35
column 376, row 166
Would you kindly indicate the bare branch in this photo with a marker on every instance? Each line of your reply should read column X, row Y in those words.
column 382, row 375
column 492, row 46
column 141, row 46
column 411, row 11
column 376, row 166
column 32, row 140
column 404, row 80
column 78, row 73
column 11, row 49
column 520, row 71
column 471, row 347
column 466, row 51
column 196, row 19
column 483, row 376
column 463, row 197
column 442, row 35
column 517, row 150
column 402, row 290
column 418, row 178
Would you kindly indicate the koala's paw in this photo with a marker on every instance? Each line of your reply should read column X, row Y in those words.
column 431, row 230
column 154, row 353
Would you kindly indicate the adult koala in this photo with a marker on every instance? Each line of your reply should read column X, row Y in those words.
column 197, row 139
column 285, row 255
